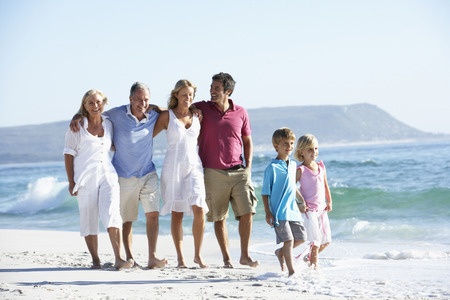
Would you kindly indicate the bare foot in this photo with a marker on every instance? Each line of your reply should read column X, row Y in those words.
column 227, row 264
column 280, row 257
column 181, row 265
column 135, row 264
column 96, row 266
column 199, row 261
column 122, row 264
column 157, row 263
column 249, row 262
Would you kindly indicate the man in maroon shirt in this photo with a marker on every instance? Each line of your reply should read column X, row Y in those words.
column 226, row 151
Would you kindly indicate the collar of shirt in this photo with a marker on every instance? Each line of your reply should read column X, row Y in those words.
column 86, row 121
column 131, row 115
column 213, row 104
column 282, row 162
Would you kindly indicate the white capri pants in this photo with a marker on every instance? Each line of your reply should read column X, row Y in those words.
column 317, row 226
column 99, row 198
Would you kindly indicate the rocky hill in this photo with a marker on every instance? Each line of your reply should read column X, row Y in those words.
column 331, row 124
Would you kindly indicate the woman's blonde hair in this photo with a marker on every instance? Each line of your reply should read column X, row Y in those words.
column 173, row 100
column 82, row 111
column 304, row 142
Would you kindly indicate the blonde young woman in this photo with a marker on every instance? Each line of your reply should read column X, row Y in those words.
column 182, row 184
column 93, row 179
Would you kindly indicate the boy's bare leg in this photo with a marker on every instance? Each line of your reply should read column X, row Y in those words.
column 287, row 252
column 280, row 256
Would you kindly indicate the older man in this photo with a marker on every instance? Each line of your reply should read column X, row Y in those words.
column 133, row 142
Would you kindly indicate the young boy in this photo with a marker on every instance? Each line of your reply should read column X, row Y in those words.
column 279, row 193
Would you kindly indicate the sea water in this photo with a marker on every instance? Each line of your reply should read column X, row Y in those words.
column 382, row 194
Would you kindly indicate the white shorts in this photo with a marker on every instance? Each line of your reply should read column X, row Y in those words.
column 317, row 226
column 132, row 190
column 98, row 198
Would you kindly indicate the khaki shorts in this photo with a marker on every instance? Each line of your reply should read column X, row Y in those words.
column 290, row 231
column 229, row 186
column 132, row 190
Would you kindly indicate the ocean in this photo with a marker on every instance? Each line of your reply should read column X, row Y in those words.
column 384, row 194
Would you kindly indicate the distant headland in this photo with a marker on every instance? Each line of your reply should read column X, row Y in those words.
column 332, row 124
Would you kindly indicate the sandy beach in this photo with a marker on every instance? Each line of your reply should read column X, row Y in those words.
column 55, row 265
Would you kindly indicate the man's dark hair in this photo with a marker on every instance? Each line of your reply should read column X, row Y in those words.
column 227, row 81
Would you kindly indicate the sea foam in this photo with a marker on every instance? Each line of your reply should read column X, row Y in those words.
column 42, row 194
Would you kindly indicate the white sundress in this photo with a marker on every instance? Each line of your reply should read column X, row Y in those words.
column 182, row 183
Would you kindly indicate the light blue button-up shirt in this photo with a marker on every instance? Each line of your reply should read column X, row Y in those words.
column 279, row 185
column 133, row 140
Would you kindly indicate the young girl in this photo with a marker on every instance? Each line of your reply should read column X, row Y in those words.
column 311, row 175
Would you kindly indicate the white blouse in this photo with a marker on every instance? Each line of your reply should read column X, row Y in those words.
column 91, row 153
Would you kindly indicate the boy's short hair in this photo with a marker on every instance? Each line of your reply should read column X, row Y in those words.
column 282, row 133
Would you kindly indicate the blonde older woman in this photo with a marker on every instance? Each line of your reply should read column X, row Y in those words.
column 93, row 179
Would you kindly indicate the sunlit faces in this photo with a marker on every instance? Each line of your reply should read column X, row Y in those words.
column 139, row 102
column 217, row 92
column 311, row 153
column 284, row 148
column 185, row 96
column 94, row 104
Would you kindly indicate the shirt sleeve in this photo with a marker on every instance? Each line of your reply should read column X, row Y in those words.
column 246, row 128
column 71, row 144
column 200, row 105
column 266, row 189
column 108, row 124
column 322, row 164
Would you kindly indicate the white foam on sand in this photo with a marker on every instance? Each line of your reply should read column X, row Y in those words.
column 55, row 265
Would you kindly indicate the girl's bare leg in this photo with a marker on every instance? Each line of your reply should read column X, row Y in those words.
column 323, row 247
column 314, row 256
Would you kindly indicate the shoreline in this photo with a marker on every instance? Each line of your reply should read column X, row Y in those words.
column 55, row 265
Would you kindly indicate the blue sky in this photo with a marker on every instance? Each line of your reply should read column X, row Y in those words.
column 390, row 53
